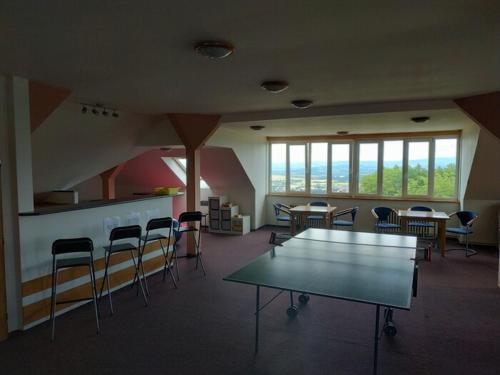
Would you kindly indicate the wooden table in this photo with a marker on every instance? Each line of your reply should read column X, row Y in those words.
column 304, row 211
column 432, row 217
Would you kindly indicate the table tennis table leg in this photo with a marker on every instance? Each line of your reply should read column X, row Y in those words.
column 257, row 310
column 376, row 338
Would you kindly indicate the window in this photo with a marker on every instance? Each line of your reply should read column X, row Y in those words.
column 418, row 168
column 341, row 168
column 182, row 162
column 367, row 165
column 278, row 167
column 392, row 174
column 445, row 168
column 368, row 168
column 297, row 168
column 319, row 168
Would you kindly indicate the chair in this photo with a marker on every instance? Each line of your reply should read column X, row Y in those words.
column 191, row 217
column 422, row 230
column 283, row 215
column 387, row 219
column 316, row 221
column 467, row 219
column 66, row 246
column 154, row 225
column 336, row 222
column 117, row 234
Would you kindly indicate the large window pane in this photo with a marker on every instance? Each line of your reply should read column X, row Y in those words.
column 368, row 168
column 298, row 168
column 445, row 168
column 392, row 181
column 418, row 168
column 278, row 167
column 341, row 157
column 319, row 167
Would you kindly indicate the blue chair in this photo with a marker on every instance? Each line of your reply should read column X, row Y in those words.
column 336, row 222
column 466, row 219
column 422, row 230
column 315, row 221
column 282, row 215
column 387, row 219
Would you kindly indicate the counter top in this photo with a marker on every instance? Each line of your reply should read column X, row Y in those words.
column 57, row 208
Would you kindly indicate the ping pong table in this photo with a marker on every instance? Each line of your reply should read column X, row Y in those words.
column 371, row 268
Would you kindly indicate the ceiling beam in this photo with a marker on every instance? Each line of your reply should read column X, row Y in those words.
column 483, row 109
column 44, row 100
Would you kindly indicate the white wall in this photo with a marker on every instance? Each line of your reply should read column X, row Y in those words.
column 469, row 138
column 71, row 147
column 252, row 154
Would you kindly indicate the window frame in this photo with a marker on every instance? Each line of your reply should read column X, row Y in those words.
column 354, row 143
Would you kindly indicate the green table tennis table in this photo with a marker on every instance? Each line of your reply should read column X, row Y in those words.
column 371, row 268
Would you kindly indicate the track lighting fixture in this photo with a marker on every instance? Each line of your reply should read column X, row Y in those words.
column 97, row 109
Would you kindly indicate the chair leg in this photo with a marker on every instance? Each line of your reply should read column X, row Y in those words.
column 94, row 295
column 136, row 266
column 53, row 303
column 105, row 279
column 198, row 253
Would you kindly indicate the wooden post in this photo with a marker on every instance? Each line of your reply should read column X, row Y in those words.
column 108, row 181
column 193, row 130
column 3, row 296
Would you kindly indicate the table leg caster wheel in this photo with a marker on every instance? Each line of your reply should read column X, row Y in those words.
column 304, row 298
column 390, row 329
column 292, row 311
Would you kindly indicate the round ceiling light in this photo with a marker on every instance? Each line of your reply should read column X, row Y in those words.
column 301, row 104
column 342, row 132
column 420, row 119
column 274, row 86
column 214, row 49
column 257, row 127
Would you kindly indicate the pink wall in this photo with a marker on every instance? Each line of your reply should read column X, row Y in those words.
column 146, row 172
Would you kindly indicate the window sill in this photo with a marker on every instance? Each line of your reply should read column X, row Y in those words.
column 364, row 197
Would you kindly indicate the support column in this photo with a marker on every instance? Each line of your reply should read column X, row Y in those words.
column 108, row 181
column 17, row 184
column 193, row 130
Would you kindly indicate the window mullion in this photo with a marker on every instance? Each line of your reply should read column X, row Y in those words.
column 405, row 169
column 307, row 167
column 287, row 168
column 432, row 149
column 380, row 166
column 329, row 169
column 355, row 168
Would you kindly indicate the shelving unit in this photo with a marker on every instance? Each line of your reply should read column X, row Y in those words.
column 226, row 219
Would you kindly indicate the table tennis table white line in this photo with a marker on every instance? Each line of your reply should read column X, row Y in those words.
column 355, row 243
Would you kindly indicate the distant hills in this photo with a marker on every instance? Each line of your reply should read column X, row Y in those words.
column 341, row 168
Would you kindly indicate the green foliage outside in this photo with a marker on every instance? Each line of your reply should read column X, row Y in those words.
column 444, row 181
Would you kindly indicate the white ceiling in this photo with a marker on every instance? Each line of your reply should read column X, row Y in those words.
column 138, row 56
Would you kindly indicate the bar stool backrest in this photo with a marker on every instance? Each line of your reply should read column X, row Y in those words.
column 72, row 245
column 131, row 231
column 159, row 223
column 190, row 216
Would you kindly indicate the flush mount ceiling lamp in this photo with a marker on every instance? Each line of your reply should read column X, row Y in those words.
column 274, row 86
column 342, row 132
column 214, row 49
column 302, row 104
column 420, row 119
column 256, row 127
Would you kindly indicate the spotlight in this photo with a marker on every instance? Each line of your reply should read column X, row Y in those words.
column 115, row 114
column 84, row 109
column 104, row 112
column 95, row 111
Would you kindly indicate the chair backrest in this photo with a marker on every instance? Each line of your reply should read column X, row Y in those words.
column 159, row 223
column 72, row 245
column 466, row 217
column 421, row 208
column 278, row 209
column 382, row 213
column 318, row 204
column 130, row 231
column 190, row 216
column 354, row 211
